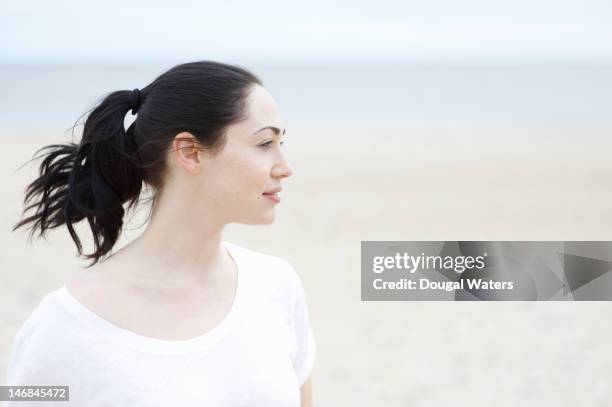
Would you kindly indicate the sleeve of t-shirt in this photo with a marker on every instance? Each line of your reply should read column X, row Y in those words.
column 21, row 370
column 24, row 365
column 27, row 366
column 304, row 356
column 34, row 356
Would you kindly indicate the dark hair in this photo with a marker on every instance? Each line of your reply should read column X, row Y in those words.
column 94, row 178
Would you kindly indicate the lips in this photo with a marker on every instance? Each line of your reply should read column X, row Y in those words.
column 273, row 191
column 272, row 194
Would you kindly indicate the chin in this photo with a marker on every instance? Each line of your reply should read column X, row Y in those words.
column 261, row 220
column 269, row 219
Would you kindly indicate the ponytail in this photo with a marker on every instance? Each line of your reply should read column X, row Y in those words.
column 91, row 179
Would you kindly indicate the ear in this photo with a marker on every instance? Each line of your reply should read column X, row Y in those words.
column 186, row 152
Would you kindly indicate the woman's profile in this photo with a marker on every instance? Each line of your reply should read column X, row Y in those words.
column 178, row 316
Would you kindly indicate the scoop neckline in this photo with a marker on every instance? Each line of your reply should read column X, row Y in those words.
column 157, row 345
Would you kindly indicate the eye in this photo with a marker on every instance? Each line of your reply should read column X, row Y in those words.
column 268, row 143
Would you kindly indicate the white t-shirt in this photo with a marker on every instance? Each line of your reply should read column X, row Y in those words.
column 260, row 354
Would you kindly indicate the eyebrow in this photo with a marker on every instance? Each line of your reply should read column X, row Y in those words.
column 276, row 130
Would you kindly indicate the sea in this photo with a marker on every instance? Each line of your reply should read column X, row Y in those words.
column 39, row 97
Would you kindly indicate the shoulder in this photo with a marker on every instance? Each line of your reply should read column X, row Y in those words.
column 265, row 266
column 42, row 335
column 40, row 318
column 272, row 277
column 51, row 344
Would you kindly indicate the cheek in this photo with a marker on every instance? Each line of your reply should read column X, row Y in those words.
column 239, row 176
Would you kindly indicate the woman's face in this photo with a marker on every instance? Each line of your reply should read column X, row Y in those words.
column 233, row 182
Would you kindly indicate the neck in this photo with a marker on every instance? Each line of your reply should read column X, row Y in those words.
column 180, row 244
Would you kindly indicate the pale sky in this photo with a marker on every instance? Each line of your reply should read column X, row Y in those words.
column 314, row 30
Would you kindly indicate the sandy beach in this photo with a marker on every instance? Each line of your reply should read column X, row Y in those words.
column 351, row 185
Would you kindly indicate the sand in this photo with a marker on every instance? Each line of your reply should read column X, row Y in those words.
column 351, row 185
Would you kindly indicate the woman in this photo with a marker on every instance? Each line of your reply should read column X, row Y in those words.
column 178, row 316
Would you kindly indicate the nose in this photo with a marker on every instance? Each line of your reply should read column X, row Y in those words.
column 282, row 170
